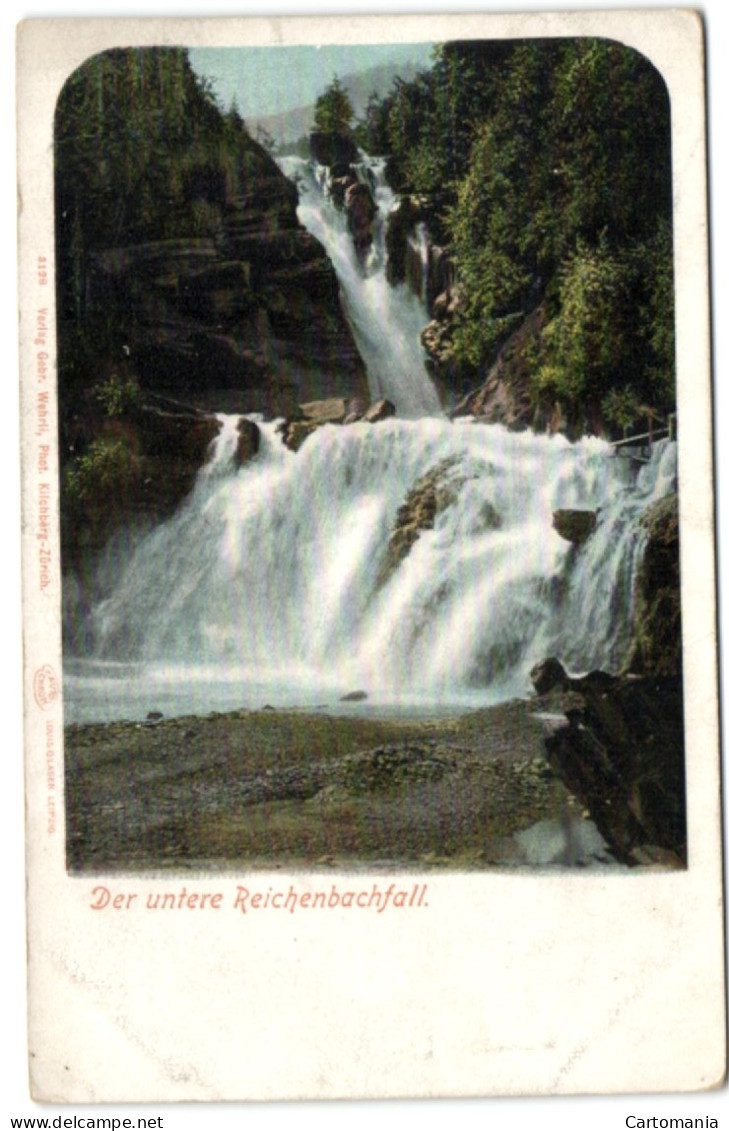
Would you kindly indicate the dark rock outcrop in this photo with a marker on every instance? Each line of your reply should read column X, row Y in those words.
column 440, row 288
column 433, row 493
column 547, row 675
column 657, row 620
column 506, row 395
column 622, row 750
column 380, row 410
column 332, row 149
column 354, row 197
column 173, row 446
column 247, row 317
column 407, row 213
column 405, row 257
column 143, row 464
column 249, row 441
column 414, row 259
column 361, row 210
column 622, row 754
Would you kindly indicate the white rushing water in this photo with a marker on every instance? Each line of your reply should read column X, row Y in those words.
column 386, row 321
column 268, row 584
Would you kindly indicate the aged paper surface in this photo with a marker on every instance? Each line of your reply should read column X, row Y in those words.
column 490, row 982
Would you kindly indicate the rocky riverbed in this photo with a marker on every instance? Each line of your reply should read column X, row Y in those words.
column 287, row 789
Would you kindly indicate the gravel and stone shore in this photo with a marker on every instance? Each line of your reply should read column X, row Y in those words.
column 288, row 789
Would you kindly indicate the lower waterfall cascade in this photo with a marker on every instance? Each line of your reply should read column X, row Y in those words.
column 267, row 582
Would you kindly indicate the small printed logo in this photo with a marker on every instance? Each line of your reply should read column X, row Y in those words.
column 45, row 687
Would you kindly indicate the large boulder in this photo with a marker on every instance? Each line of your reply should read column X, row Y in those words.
column 330, row 411
column 401, row 221
column 356, row 408
column 622, row 750
column 295, row 432
column 506, row 396
column 405, row 252
column 574, row 526
column 361, row 210
column 437, row 340
column 547, row 675
column 334, row 410
column 339, row 185
column 356, row 199
column 432, row 494
column 248, row 443
column 378, row 411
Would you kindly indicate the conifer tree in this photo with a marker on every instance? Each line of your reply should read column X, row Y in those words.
column 333, row 112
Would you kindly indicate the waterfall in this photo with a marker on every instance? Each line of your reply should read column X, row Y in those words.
column 267, row 585
column 299, row 577
column 386, row 321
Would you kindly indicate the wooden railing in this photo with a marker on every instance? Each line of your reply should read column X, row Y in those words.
column 647, row 439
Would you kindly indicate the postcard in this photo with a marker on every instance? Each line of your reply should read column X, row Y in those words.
column 371, row 710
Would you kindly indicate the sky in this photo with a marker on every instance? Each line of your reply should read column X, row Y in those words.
column 271, row 80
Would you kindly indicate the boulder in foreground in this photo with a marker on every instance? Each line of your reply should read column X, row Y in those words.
column 622, row 754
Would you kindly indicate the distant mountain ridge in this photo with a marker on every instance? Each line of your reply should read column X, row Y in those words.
column 293, row 124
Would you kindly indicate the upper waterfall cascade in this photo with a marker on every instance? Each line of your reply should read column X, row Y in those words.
column 386, row 321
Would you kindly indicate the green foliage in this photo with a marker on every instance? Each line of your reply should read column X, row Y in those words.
column 107, row 467
column 139, row 138
column 205, row 218
column 370, row 132
column 584, row 344
column 143, row 152
column 611, row 340
column 333, row 112
column 622, row 407
column 609, row 141
column 550, row 167
column 657, row 315
column 117, row 395
column 547, row 165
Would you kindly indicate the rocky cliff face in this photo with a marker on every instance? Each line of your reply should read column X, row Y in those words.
column 622, row 754
column 245, row 319
column 657, row 637
column 505, row 397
